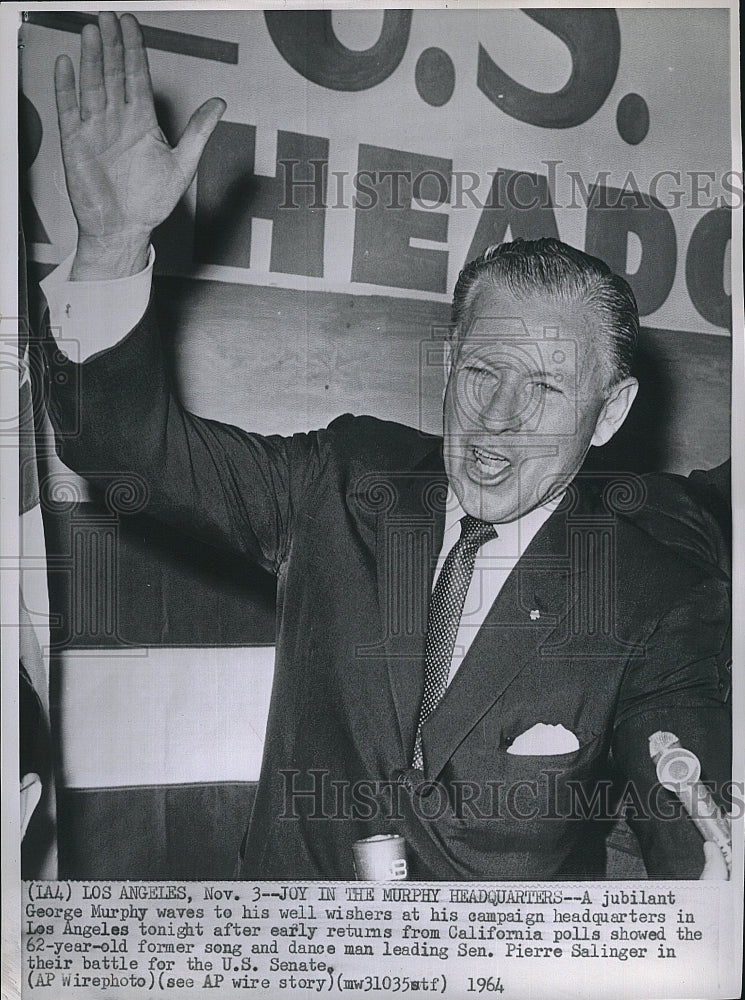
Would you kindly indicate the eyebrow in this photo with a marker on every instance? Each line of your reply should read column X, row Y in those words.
column 540, row 373
column 536, row 373
column 478, row 362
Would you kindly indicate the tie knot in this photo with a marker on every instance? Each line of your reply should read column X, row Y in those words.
column 475, row 533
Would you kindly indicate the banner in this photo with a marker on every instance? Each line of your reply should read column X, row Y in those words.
column 594, row 125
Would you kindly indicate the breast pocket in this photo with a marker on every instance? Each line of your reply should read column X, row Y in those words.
column 523, row 815
column 590, row 746
column 523, row 788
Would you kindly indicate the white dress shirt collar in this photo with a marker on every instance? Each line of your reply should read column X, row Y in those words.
column 514, row 536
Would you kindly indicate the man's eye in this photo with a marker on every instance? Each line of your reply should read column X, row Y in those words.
column 545, row 387
column 475, row 372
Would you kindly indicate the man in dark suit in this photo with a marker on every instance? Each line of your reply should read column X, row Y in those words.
column 474, row 641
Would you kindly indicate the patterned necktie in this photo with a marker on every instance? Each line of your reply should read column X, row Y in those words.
column 443, row 619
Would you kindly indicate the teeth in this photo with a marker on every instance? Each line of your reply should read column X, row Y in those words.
column 489, row 457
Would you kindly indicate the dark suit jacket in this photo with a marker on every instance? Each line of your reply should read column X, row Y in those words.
column 600, row 629
column 693, row 514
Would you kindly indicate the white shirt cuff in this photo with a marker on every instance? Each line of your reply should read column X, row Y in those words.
column 87, row 317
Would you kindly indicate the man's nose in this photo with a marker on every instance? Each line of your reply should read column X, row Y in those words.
column 507, row 407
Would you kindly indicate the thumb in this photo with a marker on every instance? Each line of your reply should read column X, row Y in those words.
column 715, row 866
column 711, row 851
column 201, row 126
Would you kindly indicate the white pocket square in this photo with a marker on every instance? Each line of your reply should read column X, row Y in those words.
column 544, row 740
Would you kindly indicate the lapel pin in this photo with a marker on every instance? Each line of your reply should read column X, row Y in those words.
column 535, row 615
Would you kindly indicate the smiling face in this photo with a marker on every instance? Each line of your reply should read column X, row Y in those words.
column 526, row 397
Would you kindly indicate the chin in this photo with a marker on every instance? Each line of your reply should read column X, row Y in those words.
column 494, row 510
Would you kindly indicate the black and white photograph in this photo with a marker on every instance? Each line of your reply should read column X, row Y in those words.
column 373, row 574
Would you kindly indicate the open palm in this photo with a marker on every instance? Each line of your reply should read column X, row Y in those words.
column 123, row 178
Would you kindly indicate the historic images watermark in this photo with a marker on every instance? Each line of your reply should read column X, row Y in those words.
column 310, row 184
column 314, row 794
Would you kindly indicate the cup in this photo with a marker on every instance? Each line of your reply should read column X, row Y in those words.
column 381, row 858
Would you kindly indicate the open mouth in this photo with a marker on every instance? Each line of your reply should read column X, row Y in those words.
column 489, row 461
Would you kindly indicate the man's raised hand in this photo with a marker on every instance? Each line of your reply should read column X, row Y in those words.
column 123, row 178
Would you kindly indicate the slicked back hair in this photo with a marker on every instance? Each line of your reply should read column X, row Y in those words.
column 548, row 266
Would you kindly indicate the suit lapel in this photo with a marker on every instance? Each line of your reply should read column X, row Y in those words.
column 509, row 640
column 409, row 531
column 409, row 536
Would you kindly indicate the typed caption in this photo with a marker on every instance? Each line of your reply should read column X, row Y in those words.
column 126, row 939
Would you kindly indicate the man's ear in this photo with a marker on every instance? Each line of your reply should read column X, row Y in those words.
column 615, row 410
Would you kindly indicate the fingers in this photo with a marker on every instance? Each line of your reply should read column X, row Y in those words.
column 113, row 65
column 92, row 91
column 201, row 126
column 66, row 95
column 138, row 86
column 113, row 57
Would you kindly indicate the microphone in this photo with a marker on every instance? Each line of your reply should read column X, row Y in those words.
column 679, row 771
